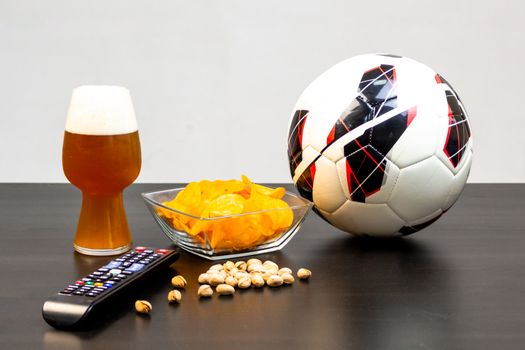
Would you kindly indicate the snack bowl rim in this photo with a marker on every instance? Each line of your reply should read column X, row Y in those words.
column 306, row 203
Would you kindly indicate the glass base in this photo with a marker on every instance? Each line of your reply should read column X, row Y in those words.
column 102, row 252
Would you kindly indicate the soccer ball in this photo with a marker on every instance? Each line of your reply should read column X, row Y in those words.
column 381, row 144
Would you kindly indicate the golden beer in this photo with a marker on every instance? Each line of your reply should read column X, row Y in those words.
column 101, row 161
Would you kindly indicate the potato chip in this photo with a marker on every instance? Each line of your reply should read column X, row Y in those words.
column 226, row 204
column 198, row 226
column 265, row 191
column 191, row 194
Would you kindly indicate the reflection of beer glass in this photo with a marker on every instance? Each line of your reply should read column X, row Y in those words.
column 101, row 156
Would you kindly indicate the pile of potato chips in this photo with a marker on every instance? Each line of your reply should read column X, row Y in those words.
column 213, row 211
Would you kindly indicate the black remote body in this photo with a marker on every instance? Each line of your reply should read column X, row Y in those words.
column 71, row 306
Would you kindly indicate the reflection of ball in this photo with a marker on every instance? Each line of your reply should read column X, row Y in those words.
column 381, row 144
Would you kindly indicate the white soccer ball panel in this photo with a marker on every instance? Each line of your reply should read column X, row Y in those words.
column 327, row 193
column 421, row 189
column 441, row 100
column 366, row 219
column 419, row 141
column 415, row 82
column 459, row 182
column 426, row 218
column 341, row 172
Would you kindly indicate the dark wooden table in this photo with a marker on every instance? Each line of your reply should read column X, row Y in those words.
column 458, row 284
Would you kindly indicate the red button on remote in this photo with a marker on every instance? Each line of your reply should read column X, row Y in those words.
column 140, row 249
column 79, row 283
column 162, row 251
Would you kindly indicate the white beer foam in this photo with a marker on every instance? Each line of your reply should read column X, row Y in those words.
column 101, row 110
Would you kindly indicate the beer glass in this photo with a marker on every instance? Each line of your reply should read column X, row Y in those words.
column 101, row 156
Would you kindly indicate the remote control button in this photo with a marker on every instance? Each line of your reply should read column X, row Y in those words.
column 126, row 272
column 114, row 280
column 86, row 279
column 162, row 251
column 148, row 251
column 78, row 292
column 122, row 276
column 120, row 259
column 92, row 295
column 97, row 273
column 72, row 286
column 99, row 284
column 103, row 278
column 113, row 264
column 99, row 290
column 144, row 262
column 115, row 272
column 66, row 291
column 103, row 269
column 140, row 249
column 135, row 267
column 154, row 256
column 127, row 264
column 108, row 285
column 90, row 283
column 79, row 283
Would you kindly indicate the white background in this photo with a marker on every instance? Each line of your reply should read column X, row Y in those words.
column 214, row 82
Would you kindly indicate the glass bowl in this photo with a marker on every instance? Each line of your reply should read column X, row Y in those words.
column 212, row 241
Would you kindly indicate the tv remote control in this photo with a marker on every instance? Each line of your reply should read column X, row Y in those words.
column 70, row 306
